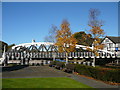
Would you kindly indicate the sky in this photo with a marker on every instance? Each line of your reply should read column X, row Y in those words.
column 24, row 21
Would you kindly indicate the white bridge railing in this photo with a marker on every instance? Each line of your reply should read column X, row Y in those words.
column 20, row 56
column 33, row 58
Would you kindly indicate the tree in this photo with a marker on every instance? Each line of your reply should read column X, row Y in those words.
column 81, row 38
column 52, row 37
column 95, row 31
column 65, row 40
column 93, row 17
column 10, row 46
column 2, row 45
column 52, row 34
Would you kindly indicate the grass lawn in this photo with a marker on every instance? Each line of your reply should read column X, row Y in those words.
column 51, row 82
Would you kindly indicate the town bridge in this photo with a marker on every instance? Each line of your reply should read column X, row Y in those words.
column 43, row 52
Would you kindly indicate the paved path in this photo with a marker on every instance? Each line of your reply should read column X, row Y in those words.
column 93, row 83
column 33, row 71
column 45, row 71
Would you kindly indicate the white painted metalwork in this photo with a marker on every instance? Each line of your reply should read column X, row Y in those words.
column 33, row 43
column 49, row 43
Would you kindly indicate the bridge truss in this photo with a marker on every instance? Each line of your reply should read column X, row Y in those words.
column 26, row 53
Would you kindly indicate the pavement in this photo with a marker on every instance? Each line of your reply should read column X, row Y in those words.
column 95, row 84
column 46, row 71
column 32, row 71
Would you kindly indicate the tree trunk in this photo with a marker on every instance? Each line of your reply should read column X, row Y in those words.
column 66, row 58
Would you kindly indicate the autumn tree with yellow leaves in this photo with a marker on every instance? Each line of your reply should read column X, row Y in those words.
column 95, row 31
column 65, row 40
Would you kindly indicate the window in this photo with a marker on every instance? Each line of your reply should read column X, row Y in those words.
column 107, row 40
column 110, row 45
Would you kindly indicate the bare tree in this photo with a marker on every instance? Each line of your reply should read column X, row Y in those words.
column 52, row 34
column 93, row 18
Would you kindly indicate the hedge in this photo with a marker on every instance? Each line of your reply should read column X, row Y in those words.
column 60, row 65
column 95, row 72
column 99, row 73
column 70, row 68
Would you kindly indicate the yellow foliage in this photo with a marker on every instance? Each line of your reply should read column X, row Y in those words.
column 65, row 40
column 97, row 32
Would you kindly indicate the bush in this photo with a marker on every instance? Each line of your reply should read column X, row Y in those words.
column 112, row 75
column 99, row 73
column 60, row 65
column 95, row 72
column 82, row 69
column 52, row 64
column 69, row 68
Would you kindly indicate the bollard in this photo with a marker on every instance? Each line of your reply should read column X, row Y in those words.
column 75, row 62
column 79, row 62
column 88, row 63
column 93, row 64
column 84, row 63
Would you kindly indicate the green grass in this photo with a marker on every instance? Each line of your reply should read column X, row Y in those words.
column 54, row 82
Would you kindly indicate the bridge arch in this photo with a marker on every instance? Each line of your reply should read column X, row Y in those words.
column 26, row 52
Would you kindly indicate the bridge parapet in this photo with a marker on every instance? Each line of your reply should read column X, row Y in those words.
column 50, row 51
column 38, row 55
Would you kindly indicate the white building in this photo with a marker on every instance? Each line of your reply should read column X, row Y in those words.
column 111, row 43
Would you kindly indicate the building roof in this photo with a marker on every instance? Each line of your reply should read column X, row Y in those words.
column 114, row 39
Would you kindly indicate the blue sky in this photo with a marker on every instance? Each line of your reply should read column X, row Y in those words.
column 24, row 21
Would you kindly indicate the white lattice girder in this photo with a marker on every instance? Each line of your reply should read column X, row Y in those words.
column 33, row 43
column 49, row 43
